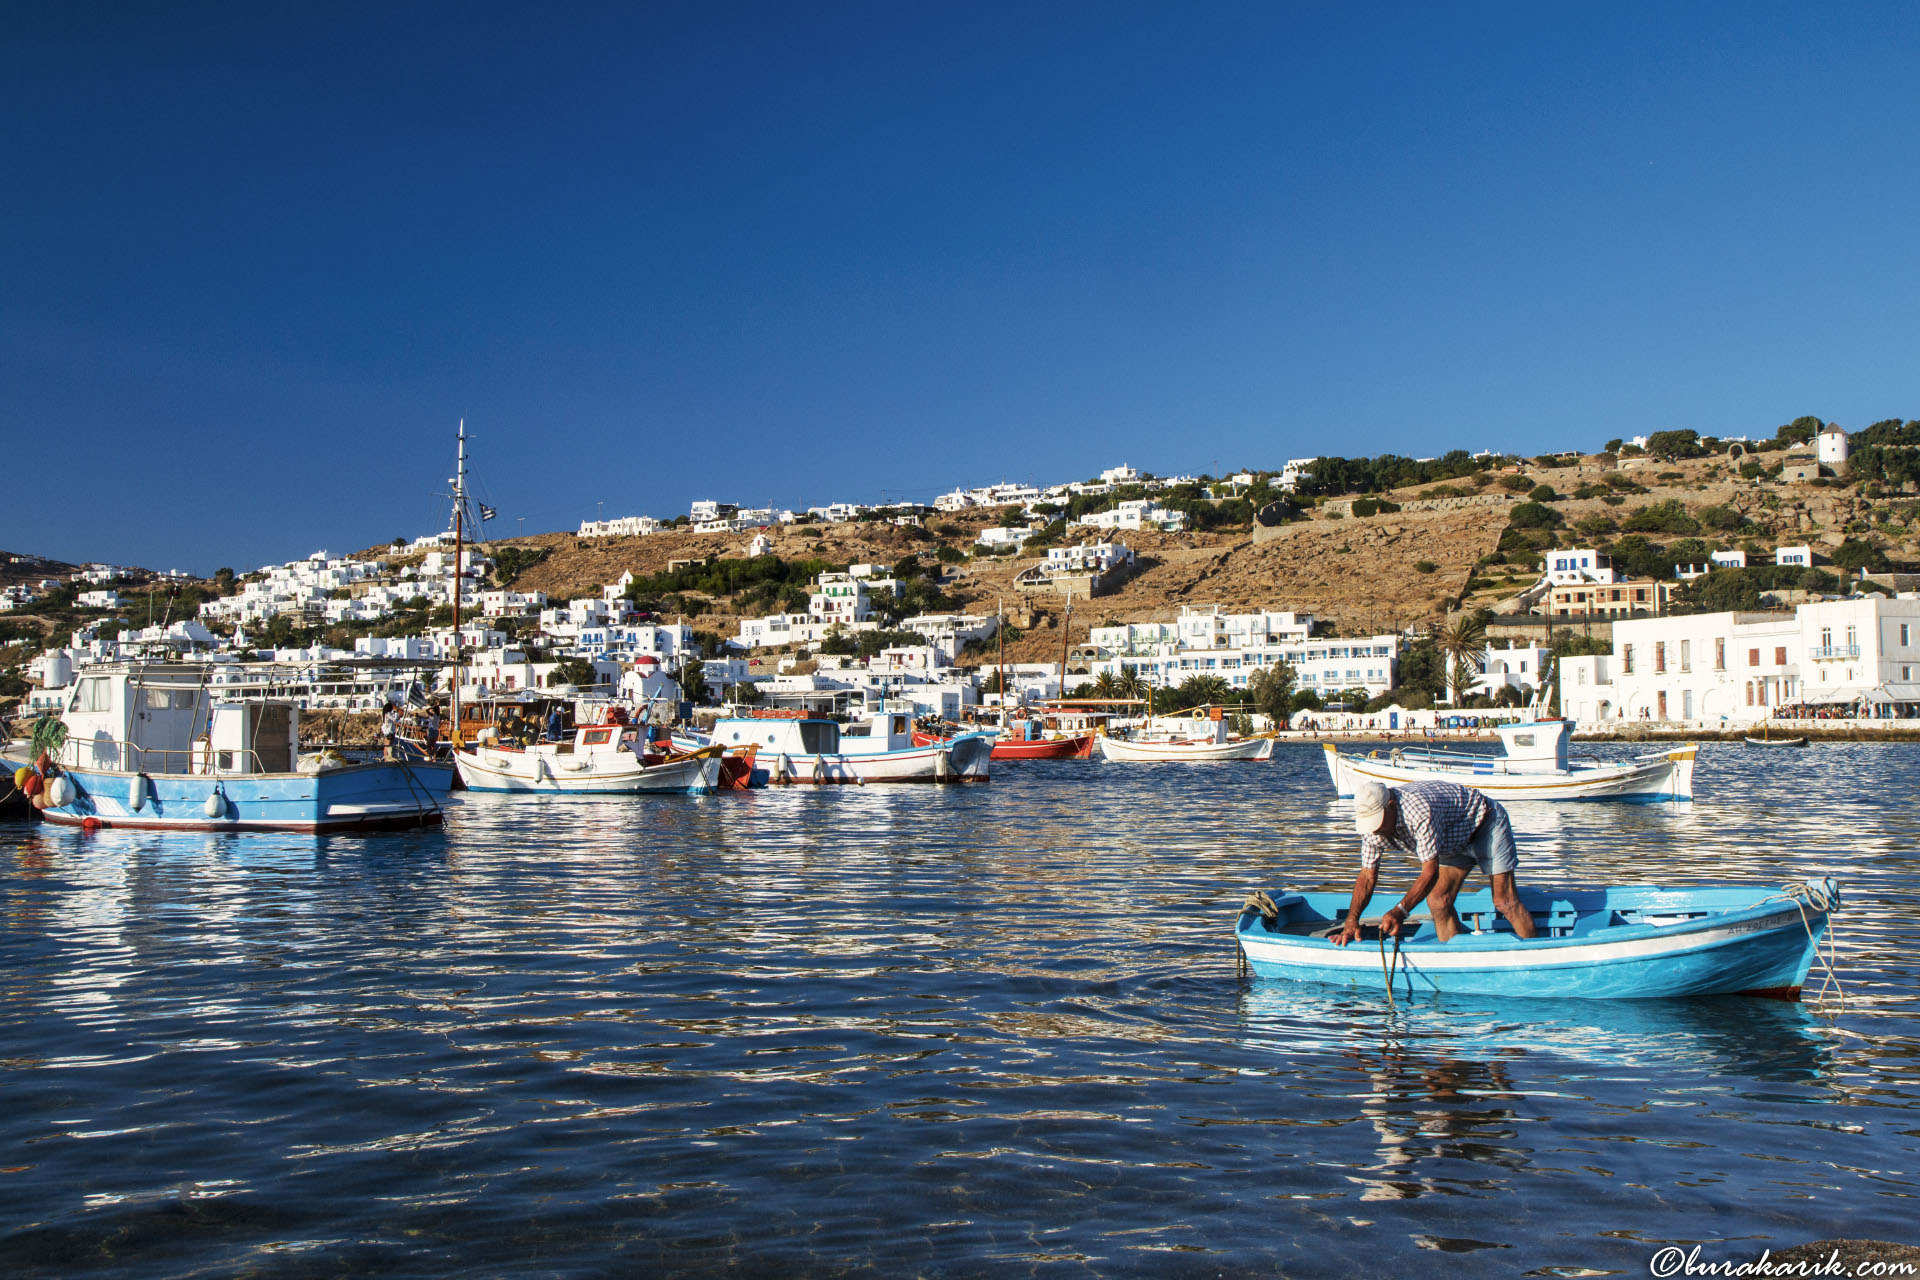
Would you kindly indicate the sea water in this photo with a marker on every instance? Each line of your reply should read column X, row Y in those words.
column 929, row 1030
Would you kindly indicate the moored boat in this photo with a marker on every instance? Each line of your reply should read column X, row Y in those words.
column 1630, row 942
column 796, row 748
column 1195, row 748
column 613, row 757
column 154, row 746
column 1534, row 765
column 1032, row 746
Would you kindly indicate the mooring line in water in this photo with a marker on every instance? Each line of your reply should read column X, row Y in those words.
column 1804, row 894
column 1386, row 974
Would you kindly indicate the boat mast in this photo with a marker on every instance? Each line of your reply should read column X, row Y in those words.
column 1066, row 639
column 459, row 534
column 1000, row 609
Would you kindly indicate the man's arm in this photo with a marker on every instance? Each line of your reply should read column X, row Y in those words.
column 1362, row 893
column 1397, row 914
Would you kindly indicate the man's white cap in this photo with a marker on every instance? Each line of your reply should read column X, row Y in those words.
column 1369, row 802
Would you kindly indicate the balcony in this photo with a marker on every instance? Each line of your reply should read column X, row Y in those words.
column 1835, row 652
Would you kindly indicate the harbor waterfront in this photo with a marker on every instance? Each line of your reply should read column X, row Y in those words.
column 944, row 1030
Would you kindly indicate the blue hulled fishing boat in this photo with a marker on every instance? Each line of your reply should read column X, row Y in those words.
column 154, row 745
column 1630, row 942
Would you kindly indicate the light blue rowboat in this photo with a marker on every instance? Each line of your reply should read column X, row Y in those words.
column 1629, row 942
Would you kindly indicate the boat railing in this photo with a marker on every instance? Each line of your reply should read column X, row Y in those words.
column 1440, row 755
column 117, row 756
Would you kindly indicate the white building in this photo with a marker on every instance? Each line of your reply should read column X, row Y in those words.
column 1742, row 667
column 1120, row 475
column 948, row 633
column 1521, row 668
column 997, row 539
column 1290, row 474
column 108, row 599
column 623, row 527
column 1830, row 447
column 1088, row 557
column 1135, row 513
column 1234, row 646
column 1567, row 568
column 1802, row 556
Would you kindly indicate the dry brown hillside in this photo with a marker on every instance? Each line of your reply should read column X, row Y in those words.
column 1362, row 574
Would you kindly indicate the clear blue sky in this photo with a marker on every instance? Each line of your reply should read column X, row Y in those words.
column 257, row 259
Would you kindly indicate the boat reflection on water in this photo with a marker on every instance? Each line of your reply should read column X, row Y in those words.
column 1710, row 1036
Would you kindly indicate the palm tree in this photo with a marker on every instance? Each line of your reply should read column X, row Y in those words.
column 1130, row 685
column 1200, row 690
column 1105, row 686
column 1462, row 639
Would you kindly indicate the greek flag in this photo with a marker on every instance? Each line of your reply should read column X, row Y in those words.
column 487, row 512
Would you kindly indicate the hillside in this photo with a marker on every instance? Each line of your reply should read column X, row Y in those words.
column 1362, row 574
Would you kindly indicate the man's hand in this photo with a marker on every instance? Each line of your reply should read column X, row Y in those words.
column 1390, row 923
column 1348, row 932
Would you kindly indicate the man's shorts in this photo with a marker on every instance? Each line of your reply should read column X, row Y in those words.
column 1491, row 848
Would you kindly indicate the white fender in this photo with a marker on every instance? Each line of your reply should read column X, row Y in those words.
column 782, row 768
column 216, row 805
column 59, row 792
column 137, row 792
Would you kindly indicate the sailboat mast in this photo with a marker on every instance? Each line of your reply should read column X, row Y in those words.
column 459, row 534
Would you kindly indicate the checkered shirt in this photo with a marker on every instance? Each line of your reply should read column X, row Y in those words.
column 1432, row 818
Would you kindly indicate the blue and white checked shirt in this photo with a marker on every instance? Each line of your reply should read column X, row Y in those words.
column 1432, row 818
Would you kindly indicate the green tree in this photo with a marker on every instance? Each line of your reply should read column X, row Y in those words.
column 1675, row 444
column 1855, row 554
column 1534, row 515
column 692, row 678
column 1800, row 430
column 1270, row 690
column 574, row 671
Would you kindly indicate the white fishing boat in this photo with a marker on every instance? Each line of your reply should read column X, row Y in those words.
column 613, row 757
column 1190, row 747
column 1534, row 765
column 795, row 747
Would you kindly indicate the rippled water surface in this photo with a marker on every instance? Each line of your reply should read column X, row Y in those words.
column 947, row 1031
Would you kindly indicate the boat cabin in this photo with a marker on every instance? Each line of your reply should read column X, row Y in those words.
column 1536, row 746
column 164, row 718
column 800, row 733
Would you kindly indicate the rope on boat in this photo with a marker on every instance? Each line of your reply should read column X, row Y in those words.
column 1262, row 901
column 1804, row 894
column 413, row 784
column 1387, row 973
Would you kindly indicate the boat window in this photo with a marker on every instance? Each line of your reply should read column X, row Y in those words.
column 1522, row 739
column 169, row 699
column 597, row 737
column 819, row 738
column 92, row 695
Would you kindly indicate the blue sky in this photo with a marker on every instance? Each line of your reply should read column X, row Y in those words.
column 257, row 260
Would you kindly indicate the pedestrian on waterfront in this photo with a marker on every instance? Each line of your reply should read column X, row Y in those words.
column 389, row 731
column 1451, row 829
